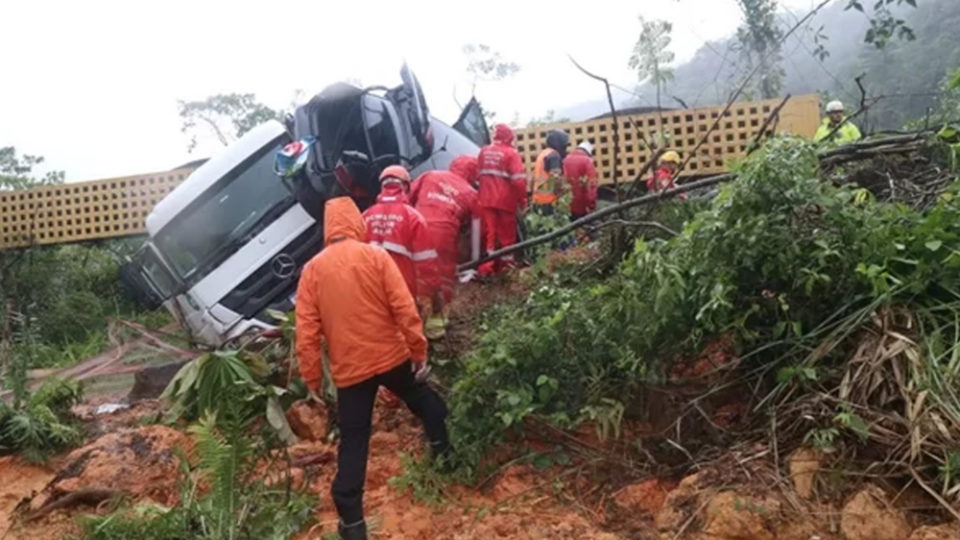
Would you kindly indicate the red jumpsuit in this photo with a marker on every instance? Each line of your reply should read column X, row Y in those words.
column 503, row 191
column 581, row 176
column 447, row 201
column 398, row 228
column 662, row 180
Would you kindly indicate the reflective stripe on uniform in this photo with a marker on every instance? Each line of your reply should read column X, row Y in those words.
column 501, row 174
column 393, row 247
column 424, row 255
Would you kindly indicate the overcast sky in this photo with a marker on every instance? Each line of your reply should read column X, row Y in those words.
column 93, row 85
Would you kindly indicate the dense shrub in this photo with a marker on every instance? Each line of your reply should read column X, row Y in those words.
column 40, row 424
column 774, row 257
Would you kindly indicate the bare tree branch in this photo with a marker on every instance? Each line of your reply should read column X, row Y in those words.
column 766, row 123
column 616, row 125
column 648, row 224
column 596, row 216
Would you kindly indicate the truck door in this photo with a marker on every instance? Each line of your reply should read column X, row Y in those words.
column 412, row 107
column 472, row 124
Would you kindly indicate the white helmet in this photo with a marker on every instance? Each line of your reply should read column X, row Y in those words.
column 586, row 146
column 834, row 106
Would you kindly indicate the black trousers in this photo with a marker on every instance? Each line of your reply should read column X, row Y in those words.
column 354, row 413
column 545, row 209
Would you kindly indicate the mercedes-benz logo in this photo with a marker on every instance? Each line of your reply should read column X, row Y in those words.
column 283, row 266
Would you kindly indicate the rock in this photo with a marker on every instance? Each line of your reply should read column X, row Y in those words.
column 151, row 381
column 802, row 530
column 869, row 516
column 803, row 465
column 515, row 480
column 946, row 531
column 279, row 479
column 140, row 462
column 308, row 420
column 682, row 502
column 729, row 414
column 731, row 516
column 646, row 497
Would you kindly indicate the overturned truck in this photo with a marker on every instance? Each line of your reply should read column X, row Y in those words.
column 226, row 246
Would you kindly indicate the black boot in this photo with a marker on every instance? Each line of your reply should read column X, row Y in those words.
column 355, row 531
column 443, row 458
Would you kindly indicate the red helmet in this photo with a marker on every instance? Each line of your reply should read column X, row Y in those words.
column 395, row 172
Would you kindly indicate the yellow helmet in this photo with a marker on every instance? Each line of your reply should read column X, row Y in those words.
column 670, row 157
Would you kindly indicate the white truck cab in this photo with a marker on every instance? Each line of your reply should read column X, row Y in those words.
column 227, row 245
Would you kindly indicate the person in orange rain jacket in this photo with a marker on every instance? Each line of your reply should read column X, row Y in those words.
column 399, row 228
column 353, row 296
column 546, row 180
column 581, row 176
column 447, row 201
column 663, row 180
column 503, row 192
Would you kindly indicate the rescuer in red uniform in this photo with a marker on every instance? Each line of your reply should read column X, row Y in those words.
column 581, row 175
column 447, row 201
column 503, row 192
column 398, row 228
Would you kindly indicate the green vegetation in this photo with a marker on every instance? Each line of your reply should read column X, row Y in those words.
column 237, row 380
column 538, row 223
column 792, row 269
column 758, row 42
column 39, row 424
column 651, row 57
column 55, row 305
column 225, row 116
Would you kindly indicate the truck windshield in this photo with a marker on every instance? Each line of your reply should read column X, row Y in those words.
column 225, row 216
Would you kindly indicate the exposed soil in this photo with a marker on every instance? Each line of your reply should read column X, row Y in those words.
column 519, row 504
column 18, row 482
column 740, row 496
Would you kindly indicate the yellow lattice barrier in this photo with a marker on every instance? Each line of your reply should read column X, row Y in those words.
column 685, row 128
column 80, row 211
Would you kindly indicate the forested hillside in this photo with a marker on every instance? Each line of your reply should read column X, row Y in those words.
column 908, row 74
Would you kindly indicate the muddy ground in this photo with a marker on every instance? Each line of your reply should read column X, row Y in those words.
column 748, row 492
column 741, row 496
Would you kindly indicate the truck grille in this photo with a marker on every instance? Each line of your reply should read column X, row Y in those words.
column 271, row 285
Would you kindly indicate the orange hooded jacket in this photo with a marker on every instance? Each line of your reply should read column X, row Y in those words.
column 353, row 295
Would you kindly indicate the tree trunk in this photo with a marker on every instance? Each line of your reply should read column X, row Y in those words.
column 5, row 339
column 662, row 142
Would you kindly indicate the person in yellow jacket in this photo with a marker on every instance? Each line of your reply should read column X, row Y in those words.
column 847, row 131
